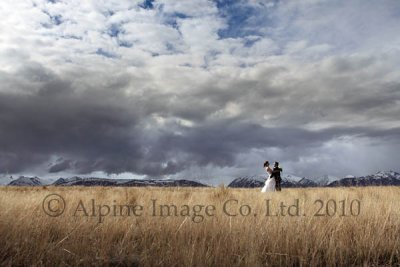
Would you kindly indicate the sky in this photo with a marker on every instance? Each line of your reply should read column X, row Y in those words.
column 203, row 90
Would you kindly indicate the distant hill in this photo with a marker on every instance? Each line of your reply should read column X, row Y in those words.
column 380, row 178
column 326, row 179
column 248, row 182
column 307, row 183
column 26, row 181
column 290, row 181
column 124, row 182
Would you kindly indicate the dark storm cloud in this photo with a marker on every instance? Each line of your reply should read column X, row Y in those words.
column 60, row 166
column 101, row 128
column 221, row 142
column 95, row 128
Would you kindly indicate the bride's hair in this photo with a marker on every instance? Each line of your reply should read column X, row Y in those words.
column 266, row 163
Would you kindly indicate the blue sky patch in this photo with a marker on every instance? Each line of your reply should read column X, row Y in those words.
column 147, row 4
column 243, row 19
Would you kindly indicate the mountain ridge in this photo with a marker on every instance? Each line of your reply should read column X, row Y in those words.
column 289, row 181
column 94, row 181
column 377, row 179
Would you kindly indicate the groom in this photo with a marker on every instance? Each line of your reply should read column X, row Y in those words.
column 276, row 173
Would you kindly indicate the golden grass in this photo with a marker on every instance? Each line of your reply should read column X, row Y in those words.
column 30, row 237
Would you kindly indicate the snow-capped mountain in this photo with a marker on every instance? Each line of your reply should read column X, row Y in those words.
column 385, row 175
column 27, row 181
column 304, row 182
column 93, row 181
column 24, row 180
column 326, row 179
column 288, row 181
column 68, row 181
column 379, row 178
column 291, row 178
column 248, row 181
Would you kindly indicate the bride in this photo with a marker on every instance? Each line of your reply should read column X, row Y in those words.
column 270, row 182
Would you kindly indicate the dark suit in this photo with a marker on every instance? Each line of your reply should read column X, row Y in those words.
column 276, row 173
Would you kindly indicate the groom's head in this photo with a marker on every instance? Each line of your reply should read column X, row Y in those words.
column 276, row 164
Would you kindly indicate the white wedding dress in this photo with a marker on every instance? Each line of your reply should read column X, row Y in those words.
column 269, row 185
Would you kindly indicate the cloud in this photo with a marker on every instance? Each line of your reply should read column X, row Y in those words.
column 60, row 166
column 169, row 88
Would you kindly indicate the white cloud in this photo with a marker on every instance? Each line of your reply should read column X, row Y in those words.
column 200, row 8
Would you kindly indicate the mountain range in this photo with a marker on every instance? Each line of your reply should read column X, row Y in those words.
column 379, row 178
column 288, row 181
column 93, row 181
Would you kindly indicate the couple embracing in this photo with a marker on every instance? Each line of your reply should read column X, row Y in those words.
column 273, row 182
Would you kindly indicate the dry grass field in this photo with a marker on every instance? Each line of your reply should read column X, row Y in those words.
column 110, row 226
